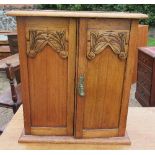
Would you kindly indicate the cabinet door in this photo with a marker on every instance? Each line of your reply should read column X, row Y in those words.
column 50, row 47
column 103, row 52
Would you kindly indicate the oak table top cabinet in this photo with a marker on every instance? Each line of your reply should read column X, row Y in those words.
column 76, row 72
column 145, row 90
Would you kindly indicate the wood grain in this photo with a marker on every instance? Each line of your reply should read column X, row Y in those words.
column 128, row 76
column 53, row 103
column 88, row 14
column 51, row 80
column 70, row 140
column 105, row 112
column 57, row 81
column 38, row 89
column 109, row 24
column 80, row 71
column 99, row 40
column 100, row 108
column 99, row 133
column 21, row 25
column 47, row 131
column 71, row 75
column 141, row 42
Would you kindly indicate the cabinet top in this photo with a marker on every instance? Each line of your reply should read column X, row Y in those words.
column 148, row 50
column 75, row 14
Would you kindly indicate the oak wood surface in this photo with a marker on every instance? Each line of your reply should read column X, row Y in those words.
column 80, row 71
column 71, row 140
column 141, row 42
column 100, row 107
column 102, row 52
column 128, row 77
column 21, row 30
column 109, row 24
column 43, row 131
column 38, row 89
column 71, row 75
column 98, row 133
column 51, row 77
column 88, row 14
column 141, row 134
column 100, row 90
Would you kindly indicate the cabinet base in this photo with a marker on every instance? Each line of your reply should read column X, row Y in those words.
column 71, row 140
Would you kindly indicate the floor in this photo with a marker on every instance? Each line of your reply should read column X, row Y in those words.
column 6, row 114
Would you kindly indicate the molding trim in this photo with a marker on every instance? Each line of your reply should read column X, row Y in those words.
column 38, row 39
column 98, row 40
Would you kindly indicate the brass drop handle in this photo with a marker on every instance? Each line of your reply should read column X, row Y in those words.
column 81, row 89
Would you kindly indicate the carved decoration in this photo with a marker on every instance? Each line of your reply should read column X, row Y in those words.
column 38, row 39
column 99, row 40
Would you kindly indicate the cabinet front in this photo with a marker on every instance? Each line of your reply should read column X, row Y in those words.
column 50, row 56
column 103, row 52
column 73, row 73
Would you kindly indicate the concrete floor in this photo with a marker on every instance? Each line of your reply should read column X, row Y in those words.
column 7, row 114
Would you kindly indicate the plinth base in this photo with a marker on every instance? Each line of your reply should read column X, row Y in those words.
column 71, row 140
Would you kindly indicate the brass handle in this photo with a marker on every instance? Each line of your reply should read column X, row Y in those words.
column 81, row 90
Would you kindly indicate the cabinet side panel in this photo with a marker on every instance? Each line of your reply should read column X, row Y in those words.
column 141, row 42
column 24, row 73
column 128, row 76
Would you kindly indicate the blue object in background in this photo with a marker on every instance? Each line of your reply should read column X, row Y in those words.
column 3, row 37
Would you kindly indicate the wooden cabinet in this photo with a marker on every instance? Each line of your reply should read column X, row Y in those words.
column 50, row 71
column 145, row 91
column 76, row 71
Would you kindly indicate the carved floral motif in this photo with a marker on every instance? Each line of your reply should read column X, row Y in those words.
column 38, row 39
column 99, row 40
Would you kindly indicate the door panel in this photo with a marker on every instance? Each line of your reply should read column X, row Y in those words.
column 51, row 65
column 57, row 81
column 37, row 88
column 102, row 62
column 48, row 102
column 104, row 82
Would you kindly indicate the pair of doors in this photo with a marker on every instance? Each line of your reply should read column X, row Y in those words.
column 75, row 75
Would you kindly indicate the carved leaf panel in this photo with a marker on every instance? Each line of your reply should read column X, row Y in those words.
column 98, row 40
column 38, row 39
